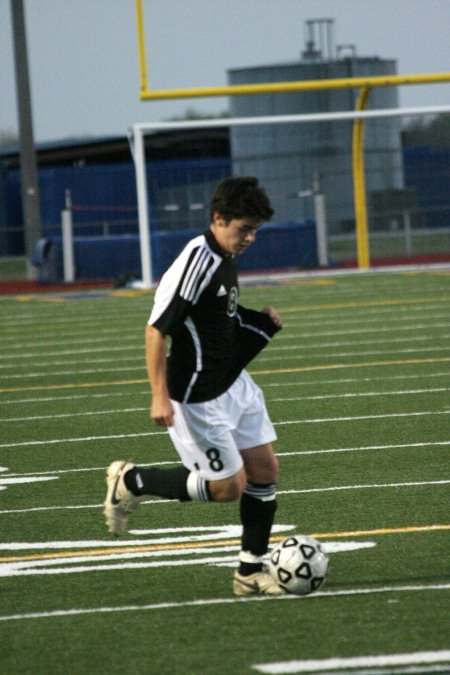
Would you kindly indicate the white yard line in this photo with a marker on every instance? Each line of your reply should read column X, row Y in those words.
column 18, row 360
column 90, row 413
column 368, row 486
column 287, row 334
column 318, row 420
column 349, row 380
column 361, row 448
column 320, row 595
column 73, row 397
column 339, row 664
column 297, row 383
column 372, row 352
column 154, row 502
column 78, row 371
column 115, row 411
column 85, row 362
column 362, row 394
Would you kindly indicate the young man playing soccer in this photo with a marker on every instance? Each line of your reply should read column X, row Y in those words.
column 214, row 412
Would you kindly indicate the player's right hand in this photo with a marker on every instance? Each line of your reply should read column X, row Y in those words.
column 161, row 412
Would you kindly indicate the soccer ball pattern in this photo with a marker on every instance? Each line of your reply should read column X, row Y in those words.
column 299, row 565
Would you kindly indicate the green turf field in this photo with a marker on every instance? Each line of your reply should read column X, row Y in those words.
column 357, row 384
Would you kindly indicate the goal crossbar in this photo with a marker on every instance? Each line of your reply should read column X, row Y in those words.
column 139, row 130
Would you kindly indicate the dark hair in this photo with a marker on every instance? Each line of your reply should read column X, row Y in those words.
column 241, row 198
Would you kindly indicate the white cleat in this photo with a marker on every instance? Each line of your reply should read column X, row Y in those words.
column 257, row 583
column 120, row 502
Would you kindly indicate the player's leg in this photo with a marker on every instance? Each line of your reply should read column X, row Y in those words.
column 212, row 466
column 258, row 504
column 127, row 486
column 257, row 510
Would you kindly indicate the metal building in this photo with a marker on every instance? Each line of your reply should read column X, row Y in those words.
column 289, row 157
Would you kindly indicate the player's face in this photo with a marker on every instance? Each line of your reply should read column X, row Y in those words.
column 235, row 235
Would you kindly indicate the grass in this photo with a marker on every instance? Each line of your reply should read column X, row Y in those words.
column 357, row 384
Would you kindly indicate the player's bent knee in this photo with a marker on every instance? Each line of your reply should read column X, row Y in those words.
column 229, row 489
column 265, row 471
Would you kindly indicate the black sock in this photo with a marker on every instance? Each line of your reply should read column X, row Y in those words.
column 179, row 483
column 168, row 483
column 257, row 509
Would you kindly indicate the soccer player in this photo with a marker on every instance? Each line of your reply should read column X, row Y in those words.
column 215, row 414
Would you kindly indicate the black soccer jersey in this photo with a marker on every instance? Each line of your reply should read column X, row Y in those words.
column 212, row 339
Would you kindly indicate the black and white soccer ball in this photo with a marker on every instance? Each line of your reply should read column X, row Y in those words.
column 298, row 564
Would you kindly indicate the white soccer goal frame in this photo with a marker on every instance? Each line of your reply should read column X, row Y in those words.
column 138, row 131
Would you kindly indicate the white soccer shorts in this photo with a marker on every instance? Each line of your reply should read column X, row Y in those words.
column 209, row 436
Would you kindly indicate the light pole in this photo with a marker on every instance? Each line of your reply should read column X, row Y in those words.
column 30, row 188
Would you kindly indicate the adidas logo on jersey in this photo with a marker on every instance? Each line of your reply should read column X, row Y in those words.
column 222, row 291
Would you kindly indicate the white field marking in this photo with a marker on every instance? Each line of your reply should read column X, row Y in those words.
column 286, row 335
column 356, row 394
column 309, row 367
column 364, row 301
column 346, row 314
column 72, row 320
column 424, row 444
column 374, row 352
column 183, row 535
column 346, row 380
column 114, row 411
column 325, row 451
column 338, row 663
column 87, row 439
column 138, row 358
column 360, row 417
column 358, row 330
column 194, row 533
column 7, row 481
column 69, row 321
column 66, row 352
column 371, row 315
column 76, row 507
column 86, row 371
column 158, row 502
column 297, row 383
column 319, row 595
column 86, row 397
column 72, row 316
column 90, row 413
column 350, row 343
column 274, row 348
column 99, row 468
column 124, row 337
column 50, row 567
column 368, row 486
column 68, row 362
column 80, row 338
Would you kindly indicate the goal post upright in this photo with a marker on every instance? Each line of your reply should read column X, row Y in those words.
column 138, row 146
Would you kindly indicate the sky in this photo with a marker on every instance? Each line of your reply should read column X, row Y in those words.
column 83, row 54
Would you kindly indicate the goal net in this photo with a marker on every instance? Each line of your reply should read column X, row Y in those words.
column 305, row 164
